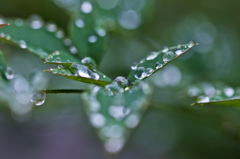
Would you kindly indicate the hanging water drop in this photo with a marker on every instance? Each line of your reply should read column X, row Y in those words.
column 168, row 56
column 38, row 98
column 121, row 81
column 9, row 74
column 152, row 56
column 140, row 73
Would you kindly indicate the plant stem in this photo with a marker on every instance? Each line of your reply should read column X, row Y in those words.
column 60, row 91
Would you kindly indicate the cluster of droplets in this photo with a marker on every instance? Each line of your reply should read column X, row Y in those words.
column 209, row 93
column 156, row 60
column 84, row 71
column 114, row 116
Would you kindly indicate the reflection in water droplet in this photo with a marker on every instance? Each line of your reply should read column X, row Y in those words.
column 107, row 4
column 97, row 120
column 229, row 91
column 114, row 145
column 121, row 81
column 92, row 39
column 168, row 56
column 203, row 99
column 149, row 71
column 22, row 44
column 38, row 98
column 9, row 74
column 84, row 71
column 132, row 121
column 152, row 56
column 86, row 7
column 129, row 19
column 113, row 89
column 140, row 73
column 79, row 23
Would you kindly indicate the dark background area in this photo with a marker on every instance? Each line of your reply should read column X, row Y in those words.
column 171, row 128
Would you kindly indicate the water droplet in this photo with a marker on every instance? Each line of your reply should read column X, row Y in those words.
column 229, row 92
column 113, row 131
column 92, row 39
column 51, row 27
column 101, row 32
column 18, row 22
column 149, row 71
column 73, row 49
column 179, row 52
column 38, row 98
column 89, row 61
column 116, row 112
column 59, row 34
column 165, row 49
column 97, row 120
column 9, row 74
column 132, row 121
column 194, row 91
column 129, row 19
column 79, row 23
column 22, row 44
column 60, row 66
column 191, row 44
column 134, row 66
column 2, row 35
column 158, row 65
column 107, row 4
column 168, row 56
column 121, row 81
column 152, row 56
column 203, row 99
column 36, row 22
column 86, row 7
column 113, row 89
column 84, row 71
column 114, row 145
column 67, row 42
column 140, row 73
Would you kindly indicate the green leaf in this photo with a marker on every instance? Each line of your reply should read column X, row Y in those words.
column 226, row 96
column 114, row 113
column 62, row 58
column 82, row 73
column 157, row 60
column 34, row 36
column 3, row 65
column 88, row 34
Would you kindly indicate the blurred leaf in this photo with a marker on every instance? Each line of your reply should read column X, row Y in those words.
column 3, row 65
column 34, row 36
column 82, row 73
column 88, row 33
column 114, row 113
column 229, row 102
column 3, row 25
column 157, row 60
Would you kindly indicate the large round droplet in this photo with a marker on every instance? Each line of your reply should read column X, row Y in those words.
column 168, row 56
column 22, row 44
column 38, row 98
column 140, row 73
column 121, row 81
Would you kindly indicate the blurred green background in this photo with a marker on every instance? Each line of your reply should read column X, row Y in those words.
column 171, row 129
